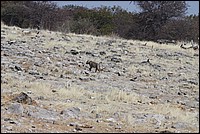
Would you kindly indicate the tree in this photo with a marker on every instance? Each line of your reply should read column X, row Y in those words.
column 123, row 21
column 155, row 14
column 15, row 13
column 44, row 14
column 103, row 20
column 29, row 14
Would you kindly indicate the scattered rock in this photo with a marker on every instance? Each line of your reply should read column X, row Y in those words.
column 102, row 53
column 74, row 52
column 9, row 128
column 40, row 98
column 23, row 98
column 167, row 78
column 111, row 120
column 133, row 79
column 16, row 108
column 34, row 72
column 54, row 91
column 165, row 131
column 86, row 79
column 71, row 112
column 18, row 68
column 116, row 59
column 77, row 128
column 41, row 113
column 11, row 42
column 179, row 125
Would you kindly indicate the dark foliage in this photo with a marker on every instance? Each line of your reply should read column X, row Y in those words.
column 157, row 19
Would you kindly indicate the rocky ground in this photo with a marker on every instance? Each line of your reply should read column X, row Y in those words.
column 46, row 85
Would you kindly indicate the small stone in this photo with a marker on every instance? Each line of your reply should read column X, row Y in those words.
column 29, row 92
column 111, row 120
column 98, row 116
column 98, row 121
column 12, row 122
column 40, row 98
column 16, row 108
column 78, row 128
column 116, row 59
column 118, row 127
column 74, row 52
column 7, row 119
column 74, row 124
column 53, row 90
column 9, row 128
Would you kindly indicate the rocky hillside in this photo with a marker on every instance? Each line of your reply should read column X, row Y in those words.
column 46, row 85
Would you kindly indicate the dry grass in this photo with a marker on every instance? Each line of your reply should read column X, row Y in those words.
column 13, row 36
column 122, row 96
column 73, row 92
column 144, row 70
column 113, row 98
column 176, row 111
